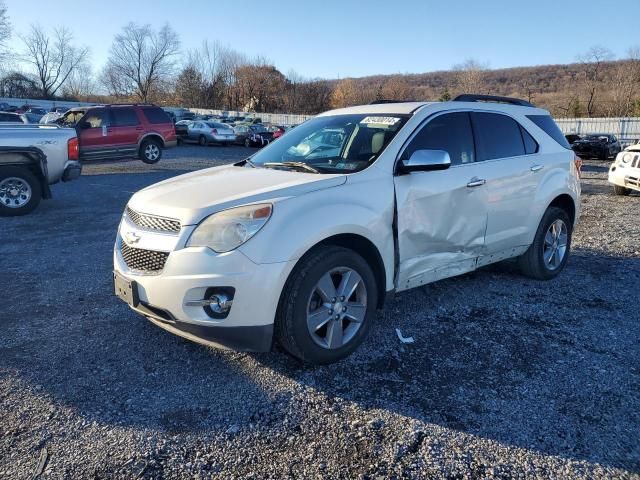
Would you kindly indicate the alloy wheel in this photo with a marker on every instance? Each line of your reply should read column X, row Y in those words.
column 152, row 152
column 336, row 308
column 555, row 245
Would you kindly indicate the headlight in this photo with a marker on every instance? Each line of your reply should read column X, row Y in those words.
column 227, row 230
column 626, row 158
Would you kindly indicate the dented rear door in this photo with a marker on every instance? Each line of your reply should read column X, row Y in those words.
column 441, row 215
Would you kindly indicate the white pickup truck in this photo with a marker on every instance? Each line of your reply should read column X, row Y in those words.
column 32, row 157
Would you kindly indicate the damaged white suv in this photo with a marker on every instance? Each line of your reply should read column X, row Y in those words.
column 301, row 243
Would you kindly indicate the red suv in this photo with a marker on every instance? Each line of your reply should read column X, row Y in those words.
column 121, row 131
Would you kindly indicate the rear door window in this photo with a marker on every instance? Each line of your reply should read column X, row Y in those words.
column 7, row 117
column 450, row 132
column 97, row 118
column 497, row 136
column 155, row 115
column 546, row 123
column 124, row 117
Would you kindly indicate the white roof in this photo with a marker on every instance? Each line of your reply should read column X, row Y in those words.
column 410, row 107
column 379, row 108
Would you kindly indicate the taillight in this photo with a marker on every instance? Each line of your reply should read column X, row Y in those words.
column 73, row 150
column 214, row 131
column 578, row 163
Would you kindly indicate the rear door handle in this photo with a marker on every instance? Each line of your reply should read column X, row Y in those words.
column 139, row 128
column 476, row 182
column 536, row 168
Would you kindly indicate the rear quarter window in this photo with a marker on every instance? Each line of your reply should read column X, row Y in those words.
column 546, row 123
column 156, row 115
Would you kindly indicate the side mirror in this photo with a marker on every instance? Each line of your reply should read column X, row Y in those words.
column 424, row 161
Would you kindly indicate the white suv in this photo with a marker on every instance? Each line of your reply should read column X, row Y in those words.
column 303, row 241
column 624, row 172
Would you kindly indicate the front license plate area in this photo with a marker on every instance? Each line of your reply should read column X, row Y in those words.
column 126, row 290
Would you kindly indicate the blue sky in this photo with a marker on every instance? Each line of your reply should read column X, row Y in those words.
column 337, row 39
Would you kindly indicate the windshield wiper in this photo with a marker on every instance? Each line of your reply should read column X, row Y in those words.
column 298, row 165
column 248, row 160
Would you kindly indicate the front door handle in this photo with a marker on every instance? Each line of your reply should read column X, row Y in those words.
column 476, row 182
column 536, row 168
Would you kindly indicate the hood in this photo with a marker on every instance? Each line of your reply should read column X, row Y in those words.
column 195, row 195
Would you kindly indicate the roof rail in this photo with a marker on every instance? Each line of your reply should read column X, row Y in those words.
column 470, row 97
column 128, row 105
column 381, row 102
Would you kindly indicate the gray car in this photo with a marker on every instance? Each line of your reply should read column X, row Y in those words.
column 206, row 133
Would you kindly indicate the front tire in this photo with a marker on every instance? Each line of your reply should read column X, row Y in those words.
column 618, row 190
column 327, row 306
column 150, row 151
column 547, row 256
column 202, row 141
column 20, row 191
column 247, row 143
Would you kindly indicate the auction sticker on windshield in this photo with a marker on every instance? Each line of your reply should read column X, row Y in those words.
column 380, row 120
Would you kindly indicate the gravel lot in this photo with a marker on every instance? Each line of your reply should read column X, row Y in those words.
column 507, row 377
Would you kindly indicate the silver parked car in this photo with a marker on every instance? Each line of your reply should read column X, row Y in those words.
column 210, row 132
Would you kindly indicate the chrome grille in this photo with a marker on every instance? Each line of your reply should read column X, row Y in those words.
column 152, row 222
column 143, row 260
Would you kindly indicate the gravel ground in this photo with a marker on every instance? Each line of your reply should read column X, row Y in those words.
column 507, row 377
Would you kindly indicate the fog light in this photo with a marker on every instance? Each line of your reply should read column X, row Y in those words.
column 217, row 301
column 220, row 303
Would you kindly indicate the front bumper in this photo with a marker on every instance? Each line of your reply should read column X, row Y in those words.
column 187, row 275
column 625, row 176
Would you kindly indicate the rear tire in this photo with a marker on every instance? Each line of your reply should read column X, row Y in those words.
column 202, row 141
column 540, row 261
column 618, row 190
column 150, row 151
column 312, row 291
column 20, row 191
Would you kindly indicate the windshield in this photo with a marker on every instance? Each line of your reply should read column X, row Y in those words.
column 333, row 144
column 70, row 119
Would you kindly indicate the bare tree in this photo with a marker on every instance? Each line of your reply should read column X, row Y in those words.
column 216, row 65
column 592, row 72
column 397, row 88
column 142, row 61
column 80, row 84
column 190, row 87
column 625, row 85
column 469, row 76
column 5, row 30
column 347, row 92
column 53, row 58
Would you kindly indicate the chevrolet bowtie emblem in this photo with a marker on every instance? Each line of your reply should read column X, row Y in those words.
column 132, row 237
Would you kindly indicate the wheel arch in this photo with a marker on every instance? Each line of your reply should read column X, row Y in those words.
column 151, row 136
column 566, row 203
column 363, row 247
